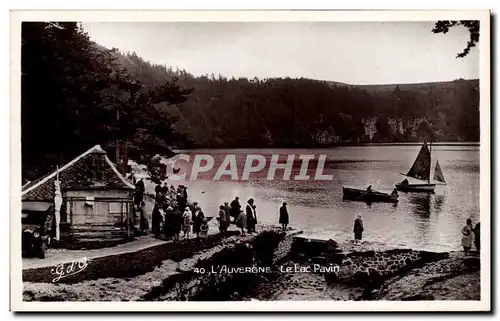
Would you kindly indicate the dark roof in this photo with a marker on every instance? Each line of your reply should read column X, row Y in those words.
column 77, row 175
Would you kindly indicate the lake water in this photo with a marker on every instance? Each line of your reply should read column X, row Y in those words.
column 419, row 220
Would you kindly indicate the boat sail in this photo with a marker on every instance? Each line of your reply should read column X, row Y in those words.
column 421, row 170
column 438, row 174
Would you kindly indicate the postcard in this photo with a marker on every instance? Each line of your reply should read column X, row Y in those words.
column 250, row 161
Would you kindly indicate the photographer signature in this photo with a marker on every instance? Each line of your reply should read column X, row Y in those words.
column 64, row 270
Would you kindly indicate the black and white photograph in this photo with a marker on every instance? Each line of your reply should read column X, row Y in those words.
column 229, row 161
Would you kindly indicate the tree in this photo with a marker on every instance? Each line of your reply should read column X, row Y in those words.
column 75, row 94
column 62, row 74
column 472, row 26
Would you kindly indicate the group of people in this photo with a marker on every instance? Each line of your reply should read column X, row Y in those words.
column 172, row 214
column 245, row 220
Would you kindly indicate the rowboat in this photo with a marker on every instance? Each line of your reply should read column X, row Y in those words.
column 421, row 170
column 368, row 196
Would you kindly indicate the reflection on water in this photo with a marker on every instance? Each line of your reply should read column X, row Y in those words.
column 438, row 203
column 431, row 221
column 421, row 203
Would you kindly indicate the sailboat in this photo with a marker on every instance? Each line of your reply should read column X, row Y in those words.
column 421, row 170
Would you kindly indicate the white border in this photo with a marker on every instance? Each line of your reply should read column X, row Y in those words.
column 92, row 16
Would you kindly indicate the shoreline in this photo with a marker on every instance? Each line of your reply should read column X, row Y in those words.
column 367, row 144
column 171, row 271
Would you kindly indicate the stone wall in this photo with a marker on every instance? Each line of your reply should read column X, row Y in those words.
column 227, row 273
column 373, row 267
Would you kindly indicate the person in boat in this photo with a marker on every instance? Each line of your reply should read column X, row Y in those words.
column 404, row 182
column 467, row 231
column 235, row 207
column 358, row 229
column 251, row 216
column 394, row 192
column 477, row 237
column 369, row 188
column 284, row 217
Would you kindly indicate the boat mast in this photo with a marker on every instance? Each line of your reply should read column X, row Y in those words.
column 430, row 161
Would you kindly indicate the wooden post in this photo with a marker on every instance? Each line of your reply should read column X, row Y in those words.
column 117, row 147
column 128, row 220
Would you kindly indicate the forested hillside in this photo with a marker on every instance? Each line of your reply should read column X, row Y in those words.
column 304, row 112
column 76, row 93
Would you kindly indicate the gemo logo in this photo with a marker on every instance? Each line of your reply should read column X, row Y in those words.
column 191, row 167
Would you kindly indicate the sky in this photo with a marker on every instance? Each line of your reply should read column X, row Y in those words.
column 350, row 52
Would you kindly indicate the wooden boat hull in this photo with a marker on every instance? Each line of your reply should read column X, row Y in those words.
column 428, row 188
column 373, row 196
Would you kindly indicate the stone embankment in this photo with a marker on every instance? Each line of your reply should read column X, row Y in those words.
column 170, row 271
column 269, row 266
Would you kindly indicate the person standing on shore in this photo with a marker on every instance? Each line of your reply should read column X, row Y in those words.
column 193, row 208
column 241, row 222
column 203, row 230
column 223, row 219
column 156, row 221
column 169, row 223
column 235, row 207
column 251, row 217
column 177, row 224
column 358, row 229
column 467, row 236
column 477, row 237
column 186, row 222
column 227, row 208
column 284, row 217
column 198, row 221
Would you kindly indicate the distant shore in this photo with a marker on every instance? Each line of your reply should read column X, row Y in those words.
column 318, row 146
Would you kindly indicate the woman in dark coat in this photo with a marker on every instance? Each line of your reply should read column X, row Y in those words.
column 177, row 224
column 198, row 221
column 284, row 218
column 251, row 216
column 358, row 228
column 235, row 207
column 477, row 237
column 169, row 223
column 156, row 221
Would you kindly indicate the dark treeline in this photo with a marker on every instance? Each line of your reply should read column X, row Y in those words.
column 280, row 112
column 76, row 94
